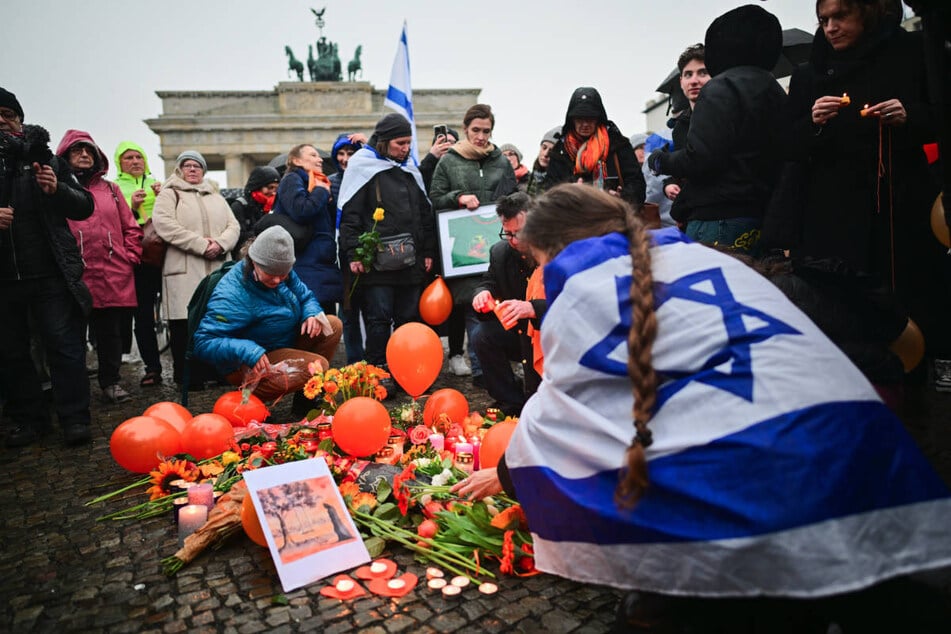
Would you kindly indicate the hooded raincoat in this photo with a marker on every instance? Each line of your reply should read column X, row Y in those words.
column 110, row 240
column 130, row 184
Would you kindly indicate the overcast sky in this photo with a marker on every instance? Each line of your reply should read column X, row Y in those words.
column 96, row 65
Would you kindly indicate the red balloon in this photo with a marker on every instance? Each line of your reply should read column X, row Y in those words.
column 445, row 401
column 435, row 303
column 207, row 435
column 361, row 426
column 239, row 412
column 494, row 444
column 140, row 443
column 171, row 412
column 414, row 356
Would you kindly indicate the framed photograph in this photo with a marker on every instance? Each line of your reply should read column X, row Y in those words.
column 306, row 523
column 465, row 238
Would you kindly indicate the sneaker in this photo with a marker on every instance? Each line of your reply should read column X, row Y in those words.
column 458, row 366
column 942, row 375
column 115, row 394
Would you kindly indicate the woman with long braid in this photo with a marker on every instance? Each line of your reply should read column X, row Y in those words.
column 763, row 466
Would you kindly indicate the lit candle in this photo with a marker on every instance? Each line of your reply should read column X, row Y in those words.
column 324, row 430
column 177, row 505
column 846, row 100
column 190, row 519
column 202, row 494
column 438, row 441
column 463, row 460
column 396, row 442
column 476, row 445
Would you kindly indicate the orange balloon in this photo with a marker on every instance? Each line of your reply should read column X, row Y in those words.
column 171, row 412
column 435, row 303
column 140, row 443
column 251, row 523
column 414, row 356
column 445, row 401
column 231, row 405
column 361, row 426
column 207, row 435
column 494, row 444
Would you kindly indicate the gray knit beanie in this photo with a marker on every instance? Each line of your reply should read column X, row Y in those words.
column 193, row 155
column 552, row 136
column 273, row 251
column 508, row 147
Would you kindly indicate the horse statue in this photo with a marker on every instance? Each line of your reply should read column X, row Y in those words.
column 354, row 66
column 311, row 63
column 294, row 64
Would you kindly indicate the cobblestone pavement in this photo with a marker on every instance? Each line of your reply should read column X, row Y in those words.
column 61, row 570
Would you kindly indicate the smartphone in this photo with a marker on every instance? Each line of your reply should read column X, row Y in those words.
column 442, row 129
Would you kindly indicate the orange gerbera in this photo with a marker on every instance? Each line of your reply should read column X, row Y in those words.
column 313, row 386
column 167, row 472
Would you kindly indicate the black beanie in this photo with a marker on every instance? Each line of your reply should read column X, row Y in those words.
column 391, row 126
column 9, row 100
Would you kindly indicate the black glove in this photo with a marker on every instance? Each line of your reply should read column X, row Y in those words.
column 653, row 161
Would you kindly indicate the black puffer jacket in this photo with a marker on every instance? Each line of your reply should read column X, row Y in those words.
column 39, row 242
column 621, row 163
column 248, row 211
column 732, row 155
column 406, row 210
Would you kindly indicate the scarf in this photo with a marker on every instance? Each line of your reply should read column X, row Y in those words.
column 317, row 179
column 266, row 202
column 590, row 154
column 364, row 165
column 536, row 290
column 470, row 152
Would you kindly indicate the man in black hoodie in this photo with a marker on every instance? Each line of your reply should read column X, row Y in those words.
column 732, row 155
column 40, row 274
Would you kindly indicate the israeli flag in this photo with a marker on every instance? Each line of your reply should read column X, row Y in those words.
column 775, row 469
column 399, row 96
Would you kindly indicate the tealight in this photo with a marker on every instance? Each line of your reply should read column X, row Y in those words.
column 344, row 585
column 434, row 573
column 460, row 581
column 436, row 583
column 377, row 568
column 846, row 100
column 395, row 584
column 451, row 591
column 488, row 588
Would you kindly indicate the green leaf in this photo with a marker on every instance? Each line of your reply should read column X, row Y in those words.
column 388, row 512
column 279, row 599
column 375, row 546
column 383, row 490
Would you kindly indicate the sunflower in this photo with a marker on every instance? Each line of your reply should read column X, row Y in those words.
column 166, row 473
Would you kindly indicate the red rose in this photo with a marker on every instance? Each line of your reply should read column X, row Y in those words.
column 420, row 434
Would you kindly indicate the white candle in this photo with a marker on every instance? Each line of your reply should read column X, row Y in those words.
column 190, row 519
column 202, row 494
column 438, row 441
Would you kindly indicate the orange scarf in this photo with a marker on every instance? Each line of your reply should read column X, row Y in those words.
column 317, row 179
column 590, row 154
column 536, row 290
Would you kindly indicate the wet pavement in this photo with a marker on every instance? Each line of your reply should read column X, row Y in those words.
column 62, row 570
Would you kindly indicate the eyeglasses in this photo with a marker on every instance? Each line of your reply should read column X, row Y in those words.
column 191, row 166
column 9, row 115
column 81, row 149
column 508, row 235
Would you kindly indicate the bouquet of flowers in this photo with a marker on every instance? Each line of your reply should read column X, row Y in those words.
column 369, row 247
column 339, row 385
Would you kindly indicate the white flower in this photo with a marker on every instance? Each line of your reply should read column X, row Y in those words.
column 442, row 479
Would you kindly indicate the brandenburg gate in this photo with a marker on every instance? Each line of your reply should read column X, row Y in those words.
column 237, row 130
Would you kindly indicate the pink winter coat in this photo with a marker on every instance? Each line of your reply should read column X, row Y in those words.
column 110, row 240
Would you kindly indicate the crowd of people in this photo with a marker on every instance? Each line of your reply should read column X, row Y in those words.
column 758, row 316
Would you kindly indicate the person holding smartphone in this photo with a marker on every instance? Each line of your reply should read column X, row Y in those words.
column 593, row 150
column 444, row 138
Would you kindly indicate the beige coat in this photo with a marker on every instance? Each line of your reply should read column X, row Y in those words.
column 186, row 216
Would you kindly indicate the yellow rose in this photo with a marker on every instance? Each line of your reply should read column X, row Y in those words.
column 229, row 457
column 378, row 214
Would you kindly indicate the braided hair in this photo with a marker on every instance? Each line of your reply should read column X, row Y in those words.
column 567, row 213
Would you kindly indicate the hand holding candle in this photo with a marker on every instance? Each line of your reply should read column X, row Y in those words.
column 828, row 107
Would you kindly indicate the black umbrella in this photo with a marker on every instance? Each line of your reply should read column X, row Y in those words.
column 797, row 44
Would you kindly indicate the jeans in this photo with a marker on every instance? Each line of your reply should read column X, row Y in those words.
column 496, row 348
column 148, row 286
column 386, row 308
column 737, row 234
column 61, row 325
column 107, row 323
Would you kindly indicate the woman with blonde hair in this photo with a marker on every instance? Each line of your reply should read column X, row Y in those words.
column 695, row 435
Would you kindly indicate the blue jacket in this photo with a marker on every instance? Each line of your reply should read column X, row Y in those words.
column 245, row 319
column 317, row 264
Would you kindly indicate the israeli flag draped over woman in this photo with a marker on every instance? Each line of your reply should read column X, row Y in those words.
column 775, row 469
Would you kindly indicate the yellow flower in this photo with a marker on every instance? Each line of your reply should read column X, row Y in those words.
column 378, row 214
column 312, row 387
column 229, row 457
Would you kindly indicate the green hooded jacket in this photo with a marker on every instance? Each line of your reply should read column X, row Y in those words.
column 130, row 184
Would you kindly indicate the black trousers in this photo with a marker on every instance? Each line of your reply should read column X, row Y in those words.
column 148, row 286
column 108, row 326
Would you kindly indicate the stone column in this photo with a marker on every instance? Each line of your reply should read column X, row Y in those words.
column 237, row 168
